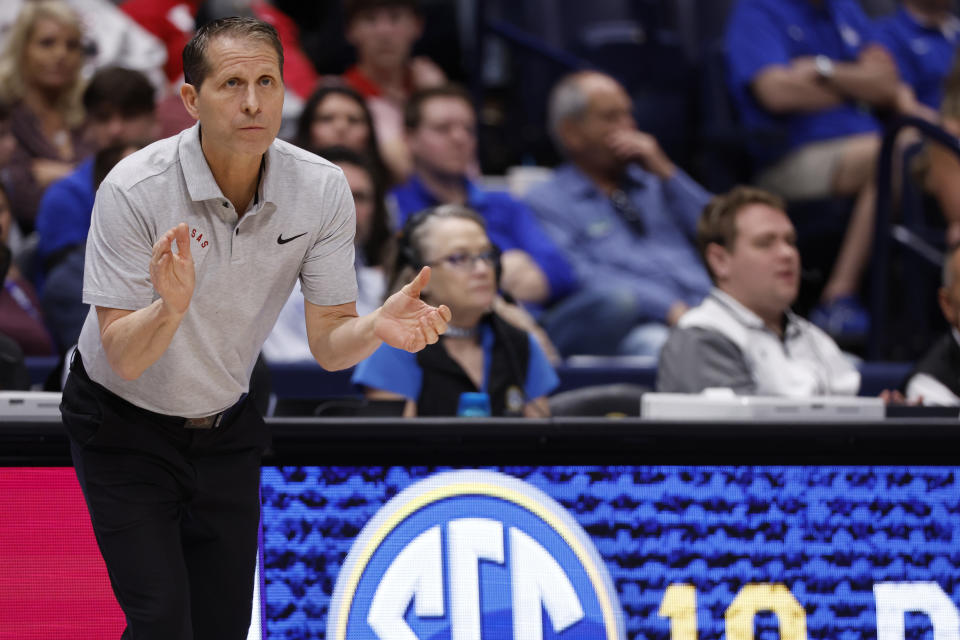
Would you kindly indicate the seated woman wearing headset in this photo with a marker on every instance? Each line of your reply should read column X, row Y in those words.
column 480, row 350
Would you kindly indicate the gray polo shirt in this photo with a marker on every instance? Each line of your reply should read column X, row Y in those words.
column 301, row 223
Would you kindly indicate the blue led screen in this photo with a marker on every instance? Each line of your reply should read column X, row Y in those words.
column 608, row 552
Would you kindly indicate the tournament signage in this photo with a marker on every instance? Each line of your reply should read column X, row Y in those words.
column 659, row 553
column 473, row 554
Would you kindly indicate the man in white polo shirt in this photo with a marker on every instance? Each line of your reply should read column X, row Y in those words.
column 195, row 244
column 743, row 336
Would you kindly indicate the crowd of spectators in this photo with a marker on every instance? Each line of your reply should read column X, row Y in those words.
column 618, row 251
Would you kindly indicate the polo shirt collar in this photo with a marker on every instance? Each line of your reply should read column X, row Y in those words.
column 576, row 181
column 269, row 189
column 581, row 185
column 202, row 186
column 748, row 318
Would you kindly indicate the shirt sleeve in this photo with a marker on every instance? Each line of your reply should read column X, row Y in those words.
column 541, row 377
column 753, row 41
column 933, row 392
column 686, row 199
column 119, row 248
column 535, row 241
column 888, row 36
column 864, row 26
column 695, row 359
column 390, row 369
column 328, row 276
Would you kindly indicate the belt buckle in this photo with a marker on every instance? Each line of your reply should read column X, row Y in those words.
column 207, row 422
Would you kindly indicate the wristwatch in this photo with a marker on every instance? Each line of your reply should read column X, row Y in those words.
column 825, row 68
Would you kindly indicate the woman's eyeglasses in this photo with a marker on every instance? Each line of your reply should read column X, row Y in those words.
column 468, row 261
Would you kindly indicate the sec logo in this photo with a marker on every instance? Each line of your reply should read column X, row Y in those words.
column 472, row 555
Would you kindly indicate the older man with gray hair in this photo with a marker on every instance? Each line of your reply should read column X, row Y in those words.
column 623, row 212
column 936, row 379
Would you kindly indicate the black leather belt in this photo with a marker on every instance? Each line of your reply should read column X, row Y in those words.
column 208, row 422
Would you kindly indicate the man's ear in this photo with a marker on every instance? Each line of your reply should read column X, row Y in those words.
column 719, row 260
column 189, row 95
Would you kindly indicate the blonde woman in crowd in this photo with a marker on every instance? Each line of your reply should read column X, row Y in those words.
column 40, row 78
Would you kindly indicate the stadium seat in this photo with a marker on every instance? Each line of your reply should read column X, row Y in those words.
column 609, row 400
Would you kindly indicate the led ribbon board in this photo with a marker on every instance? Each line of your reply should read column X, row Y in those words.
column 677, row 553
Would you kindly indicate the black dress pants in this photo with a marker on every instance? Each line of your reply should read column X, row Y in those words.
column 175, row 510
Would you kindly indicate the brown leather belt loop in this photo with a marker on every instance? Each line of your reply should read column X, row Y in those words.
column 207, row 422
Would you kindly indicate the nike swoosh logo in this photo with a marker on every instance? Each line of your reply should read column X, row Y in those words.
column 282, row 240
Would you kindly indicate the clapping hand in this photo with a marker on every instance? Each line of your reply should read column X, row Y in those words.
column 172, row 273
column 407, row 322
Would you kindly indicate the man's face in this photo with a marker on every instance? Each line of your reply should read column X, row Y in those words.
column 762, row 271
column 609, row 109
column 107, row 126
column 240, row 103
column 383, row 37
column 446, row 140
column 950, row 295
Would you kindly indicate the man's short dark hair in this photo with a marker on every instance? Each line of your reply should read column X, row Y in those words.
column 718, row 222
column 413, row 111
column 196, row 67
column 353, row 8
column 119, row 90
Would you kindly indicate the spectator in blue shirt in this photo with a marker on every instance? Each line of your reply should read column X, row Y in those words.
column 812, row 68
column 621, row 210
column 923, row 36
column 441, row 135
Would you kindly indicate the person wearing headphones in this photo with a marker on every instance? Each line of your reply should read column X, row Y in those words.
column 482, row 351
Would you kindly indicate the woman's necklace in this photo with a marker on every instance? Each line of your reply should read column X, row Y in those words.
column 460, row 332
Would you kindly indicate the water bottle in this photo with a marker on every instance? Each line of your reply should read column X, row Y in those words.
column 473, row 404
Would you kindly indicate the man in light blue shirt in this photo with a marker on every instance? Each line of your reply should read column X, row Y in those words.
column 624, row 214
